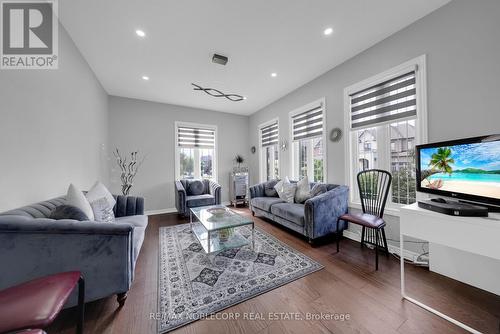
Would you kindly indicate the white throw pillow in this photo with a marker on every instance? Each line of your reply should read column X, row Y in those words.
column 75, row 197
column 279, row 189
column 102, row 202
column 289, row 191
column 303, row 192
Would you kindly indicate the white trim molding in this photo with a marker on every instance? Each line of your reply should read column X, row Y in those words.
column 291, row 114
column 261, row 165
column 178, row 124
column 417, row 64
column 160, row 211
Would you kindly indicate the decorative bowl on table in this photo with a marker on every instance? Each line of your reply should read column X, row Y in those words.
column 217, row 212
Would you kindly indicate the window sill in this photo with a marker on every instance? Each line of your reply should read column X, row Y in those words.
column 391, row 211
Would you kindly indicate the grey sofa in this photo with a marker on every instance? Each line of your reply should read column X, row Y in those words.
column 210, row 194
column 315, row 218
column 32, row 245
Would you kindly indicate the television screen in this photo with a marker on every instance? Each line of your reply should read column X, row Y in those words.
column 468, row 168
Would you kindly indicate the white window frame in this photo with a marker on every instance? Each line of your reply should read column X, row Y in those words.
column 418, row 63
column 294, row 159
column 262, row 167
column 177, row 164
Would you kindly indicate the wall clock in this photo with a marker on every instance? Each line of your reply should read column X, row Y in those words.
column 335, row 134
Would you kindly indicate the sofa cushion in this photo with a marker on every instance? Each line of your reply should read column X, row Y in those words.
column 102, row 202
column 293, row 212
column 269, row 188
column 76, row 198
column 303, row 192
column 68, row 212
column 195, row 188
column 200, row 200
column 265, row 203
column 318, row 189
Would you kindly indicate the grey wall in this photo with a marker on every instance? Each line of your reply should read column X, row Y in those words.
column 149, row 127
column 53, row 125
column 461, row 41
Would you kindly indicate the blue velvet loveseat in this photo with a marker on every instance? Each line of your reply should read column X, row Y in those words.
column 32, row 245
column 315, row 218
column 194, row 193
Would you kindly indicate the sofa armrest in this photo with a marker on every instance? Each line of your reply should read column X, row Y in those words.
column 215, row 191
column 103, row 252
column 258, row 190
column 323, row 211
column 128, row 206
column 180, row 197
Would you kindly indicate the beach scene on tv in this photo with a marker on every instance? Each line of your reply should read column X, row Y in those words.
column 468, row 169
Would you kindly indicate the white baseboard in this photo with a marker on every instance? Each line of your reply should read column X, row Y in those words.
column 161, row 211
column 408, row 255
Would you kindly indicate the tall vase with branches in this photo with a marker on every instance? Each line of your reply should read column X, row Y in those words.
column 128, row 168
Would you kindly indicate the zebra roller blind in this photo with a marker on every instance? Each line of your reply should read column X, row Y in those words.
column 388, row 101
column 195, row 137
column 308, row 124
column 269, row 134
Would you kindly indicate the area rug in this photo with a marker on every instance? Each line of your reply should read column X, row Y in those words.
column 193, row 285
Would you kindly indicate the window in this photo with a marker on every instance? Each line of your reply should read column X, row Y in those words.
column 269, row 151
column 308, row 150
column 385, row 118
column 195, row 151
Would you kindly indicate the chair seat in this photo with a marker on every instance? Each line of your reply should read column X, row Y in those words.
column 364, row 219
column 36, row 303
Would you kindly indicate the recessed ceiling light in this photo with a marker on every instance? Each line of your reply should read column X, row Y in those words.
column 328, row 31
column 274, row 74
column 144, row 77
column 140, row 33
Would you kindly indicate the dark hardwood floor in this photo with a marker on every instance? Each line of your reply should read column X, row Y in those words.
column 347, row 285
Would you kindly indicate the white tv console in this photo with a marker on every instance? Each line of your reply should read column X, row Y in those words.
column 477, row 235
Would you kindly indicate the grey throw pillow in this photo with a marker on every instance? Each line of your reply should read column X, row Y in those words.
column 269, row 188
column 195, row 187
column 68, row 212
column 318, row 189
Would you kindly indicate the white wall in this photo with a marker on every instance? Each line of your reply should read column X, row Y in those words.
column 149, row 127
column 462, row 45
column 53, row 125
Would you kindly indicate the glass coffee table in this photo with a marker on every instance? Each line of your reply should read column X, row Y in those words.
column 216, row 228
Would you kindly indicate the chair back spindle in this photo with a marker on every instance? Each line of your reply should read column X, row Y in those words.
column 374, row 185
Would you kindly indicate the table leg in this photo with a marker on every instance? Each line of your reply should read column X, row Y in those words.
column 208, row 240
column 402, row 264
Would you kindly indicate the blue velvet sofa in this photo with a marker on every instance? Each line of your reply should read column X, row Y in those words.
column 315, row 218
column 186, row 196
column 32, row 245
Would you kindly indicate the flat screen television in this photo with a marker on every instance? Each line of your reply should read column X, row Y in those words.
column 467, row 169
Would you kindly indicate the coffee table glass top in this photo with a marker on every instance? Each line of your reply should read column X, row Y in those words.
column 212, row 222
column 217, row 232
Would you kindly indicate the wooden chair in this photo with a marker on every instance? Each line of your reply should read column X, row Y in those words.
column 373, row 185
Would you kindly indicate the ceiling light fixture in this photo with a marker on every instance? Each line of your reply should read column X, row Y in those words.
column 140, row 33
column 274, row 74
column 328, row 31
column 217, row 93
column 144, row 77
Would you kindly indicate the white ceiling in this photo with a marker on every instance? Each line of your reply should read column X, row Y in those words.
column 259, row 37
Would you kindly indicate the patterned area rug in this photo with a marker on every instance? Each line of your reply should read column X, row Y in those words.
column 193, row 285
